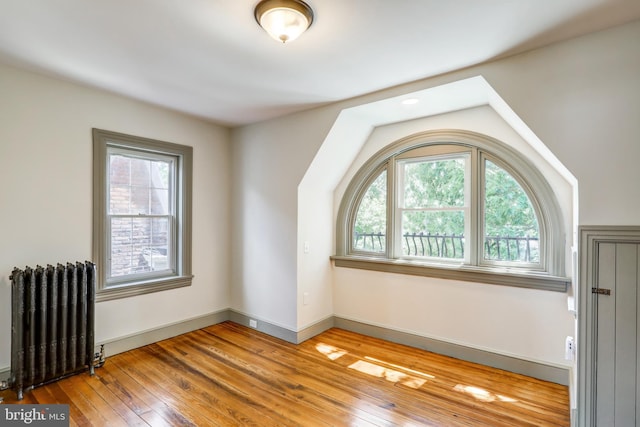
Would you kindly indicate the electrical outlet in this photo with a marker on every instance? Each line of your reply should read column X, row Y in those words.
column 253, row 323
column 569, row 349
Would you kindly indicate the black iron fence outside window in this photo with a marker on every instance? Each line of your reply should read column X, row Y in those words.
column 496, row 248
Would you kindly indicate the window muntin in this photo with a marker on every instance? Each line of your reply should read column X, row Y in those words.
column 142, row 214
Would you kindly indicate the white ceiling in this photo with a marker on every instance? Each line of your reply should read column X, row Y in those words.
column 209, row 58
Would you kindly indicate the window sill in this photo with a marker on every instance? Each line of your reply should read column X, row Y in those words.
column 141, row 288
column 493, row 276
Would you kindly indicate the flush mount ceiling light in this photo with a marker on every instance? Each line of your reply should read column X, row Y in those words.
column 284, row 20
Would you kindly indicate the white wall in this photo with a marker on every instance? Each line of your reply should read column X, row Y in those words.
column 268, row 162
column 523, row 323
column 580, row 97
column 46, row 195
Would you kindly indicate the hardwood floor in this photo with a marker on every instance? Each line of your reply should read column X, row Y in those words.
column 227, row 375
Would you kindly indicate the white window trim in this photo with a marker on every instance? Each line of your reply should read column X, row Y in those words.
column 180, row 275
column 551, row 274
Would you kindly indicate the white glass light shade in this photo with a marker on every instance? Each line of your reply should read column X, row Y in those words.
column 284, row 20
column 283, row 24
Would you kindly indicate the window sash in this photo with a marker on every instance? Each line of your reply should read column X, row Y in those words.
column 133, row 154
column 172, row 162
column 171, row 259
column 432, row 154
column 482, row 233
column 384, row 246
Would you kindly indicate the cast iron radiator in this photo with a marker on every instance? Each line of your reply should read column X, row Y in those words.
column 52, row 323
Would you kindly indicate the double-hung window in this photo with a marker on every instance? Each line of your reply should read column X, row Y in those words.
column 433, row 199
column 142, row 233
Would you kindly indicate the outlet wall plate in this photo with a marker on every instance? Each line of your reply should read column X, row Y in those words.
column 569, row 349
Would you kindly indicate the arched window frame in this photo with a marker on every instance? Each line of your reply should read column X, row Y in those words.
column 549, row 274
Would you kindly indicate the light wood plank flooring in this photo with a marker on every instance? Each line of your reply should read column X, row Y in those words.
column 227, row 375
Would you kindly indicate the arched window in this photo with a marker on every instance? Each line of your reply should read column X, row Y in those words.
column 453, row 204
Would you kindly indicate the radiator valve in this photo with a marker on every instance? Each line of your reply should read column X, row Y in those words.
column 99, row 359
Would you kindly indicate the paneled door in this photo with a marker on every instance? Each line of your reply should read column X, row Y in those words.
column 616, row 352
column 611, row 357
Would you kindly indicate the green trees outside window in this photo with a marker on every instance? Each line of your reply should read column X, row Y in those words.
column 434, row 204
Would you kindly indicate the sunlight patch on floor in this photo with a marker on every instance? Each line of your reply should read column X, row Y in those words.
column 402, row 368
column 388, row 374
column 333, row 353
column 482, row 394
